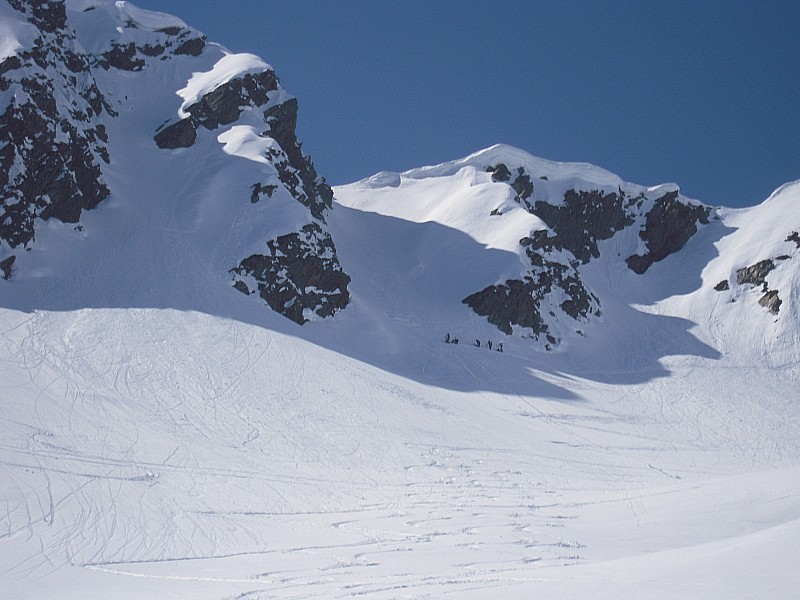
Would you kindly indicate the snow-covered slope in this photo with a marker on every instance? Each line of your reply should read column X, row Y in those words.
column 163, row 435
column 571, row 258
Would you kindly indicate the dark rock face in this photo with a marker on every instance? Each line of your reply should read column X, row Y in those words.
column 584, row 219
column 296, row 171
column 5, row 266
column 225, row 104
column 50, row 154
column 521, row 184
column 668, row 227
column 192, row 47
column 771, row 301
column 260, row 190
column 123, row 58
column 519, row 302
column 49, row 16
column 513, row 303
column 169, row 43
column 576, row 226
column 794, row 237
column 300, row 273
column 722, row 286
column 755, row 274
column 178, row 135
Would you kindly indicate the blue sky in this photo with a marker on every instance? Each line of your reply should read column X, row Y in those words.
column 705, row 94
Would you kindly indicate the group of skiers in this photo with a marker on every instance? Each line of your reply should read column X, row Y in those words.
column 454, row 340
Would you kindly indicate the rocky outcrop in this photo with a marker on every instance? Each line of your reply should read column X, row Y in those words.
column 165, row 43
column 756, row 274
column 575, row 228
column 771, row 301
column 581, row 221
column 50, row 152
column 225, row 104
column 300, row 277
column 794, row 237
column 667, row 228
column 5, row 266
column 521, row 183
column 525, row 302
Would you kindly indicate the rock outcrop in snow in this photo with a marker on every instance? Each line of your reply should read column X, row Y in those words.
column 52, row 139
column 72, row 85
column 585, row 214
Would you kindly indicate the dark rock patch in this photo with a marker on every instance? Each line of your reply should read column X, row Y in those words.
column 500, row 173
column 301, row 272
column 755, row 274
column 224, row 104
column 193, row 47
column 60, row 174
column 171, row 31
column 178, row 135
column 153, row 50
column 122, row 57
column 259, row 191
column 722, row 286
column 583, row 219
column 297, row 172
column 49, row 16
column 668, row 226
column 513, row 303
column 518, row 302
column 794, row 237
column 771, row 301
column 5, row 266
column 522, row 185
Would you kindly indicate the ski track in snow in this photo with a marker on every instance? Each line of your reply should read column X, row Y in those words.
column 167, row 451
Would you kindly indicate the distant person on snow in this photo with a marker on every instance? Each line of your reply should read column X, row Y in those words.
column 447, row 338
column 455, row 341
column 500, row 347
column 477, row 343
column 489, row 343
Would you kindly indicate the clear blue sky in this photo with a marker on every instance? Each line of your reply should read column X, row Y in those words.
column 705, row 94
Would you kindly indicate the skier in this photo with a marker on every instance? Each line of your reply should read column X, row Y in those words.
column 489, row 343
column 500, row 347
column 455, row 341
column 447, row 338
column 477, row 343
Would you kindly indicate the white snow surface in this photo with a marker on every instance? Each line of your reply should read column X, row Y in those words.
column 164, row 436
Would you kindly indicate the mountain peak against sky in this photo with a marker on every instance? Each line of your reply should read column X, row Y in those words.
column 111, row 105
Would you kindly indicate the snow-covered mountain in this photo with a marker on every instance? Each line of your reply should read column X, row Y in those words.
column 632, row 431
column 190, row 149
column 569, row 256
